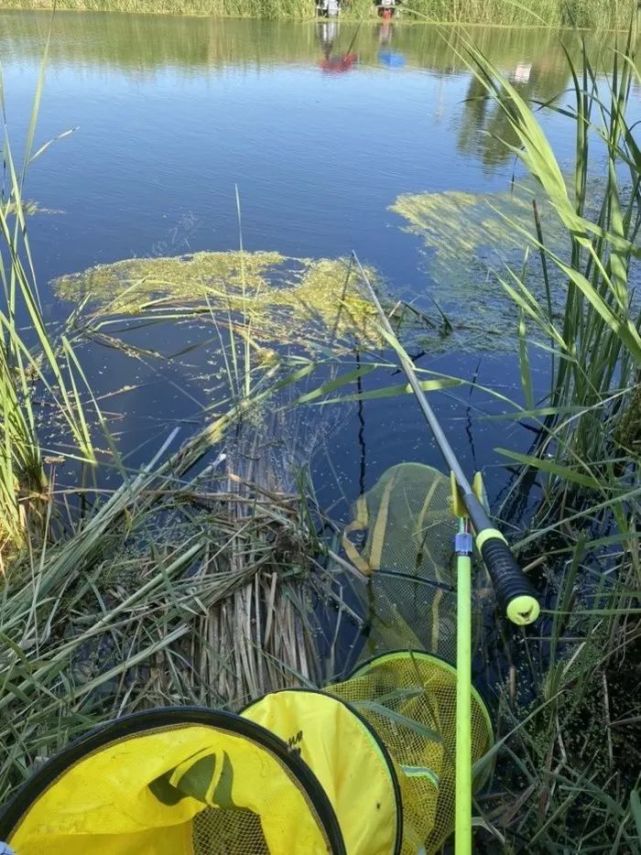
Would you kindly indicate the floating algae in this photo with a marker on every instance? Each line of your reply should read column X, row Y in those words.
column 470, row 240
column 29, row 208
column 277, row 299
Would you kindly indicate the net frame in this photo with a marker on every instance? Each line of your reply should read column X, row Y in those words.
column 16, row 812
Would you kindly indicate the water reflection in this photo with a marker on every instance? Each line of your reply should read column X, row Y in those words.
column 484, row 126
column 174, row 112
column 334, row 59
column 387, row 56
column 139, row 42
column 141, row 45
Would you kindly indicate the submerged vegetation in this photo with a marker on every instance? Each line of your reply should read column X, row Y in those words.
column 198, row 578
column 580, row 13
column 471, row 238
column 468, row 239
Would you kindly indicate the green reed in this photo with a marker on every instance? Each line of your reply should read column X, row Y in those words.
column 554, row 13
column 31, row 358
column 593, row 336
column 574, row 785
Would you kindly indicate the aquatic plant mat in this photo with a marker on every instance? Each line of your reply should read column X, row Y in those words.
column 271, row 298
column 470, row 240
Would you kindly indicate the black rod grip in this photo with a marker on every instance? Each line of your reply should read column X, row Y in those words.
column 514, row 592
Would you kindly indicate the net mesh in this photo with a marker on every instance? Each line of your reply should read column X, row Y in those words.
column 223, row 831
column 406, row 530
column 410, row 700
column 402, row 538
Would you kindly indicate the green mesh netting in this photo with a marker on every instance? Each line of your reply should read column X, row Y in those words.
column 408, row 529
column 402, row 539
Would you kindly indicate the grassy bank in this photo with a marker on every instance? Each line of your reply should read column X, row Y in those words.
column 600, row 14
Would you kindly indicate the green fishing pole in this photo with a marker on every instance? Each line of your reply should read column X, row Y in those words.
column 463, row 546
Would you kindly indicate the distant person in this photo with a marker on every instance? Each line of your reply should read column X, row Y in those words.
column 328, row 8
column 327, row 32
column 386, row 9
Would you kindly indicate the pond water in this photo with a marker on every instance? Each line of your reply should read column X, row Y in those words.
column 173, row 114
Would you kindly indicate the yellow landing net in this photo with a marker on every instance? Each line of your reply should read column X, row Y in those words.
column 365, row 767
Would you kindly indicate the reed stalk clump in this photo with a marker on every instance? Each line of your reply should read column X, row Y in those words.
column 200, row 590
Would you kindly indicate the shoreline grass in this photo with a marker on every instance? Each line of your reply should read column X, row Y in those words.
column 580, row 14
column 30, row 356
column 581, row 772
column 349, row 17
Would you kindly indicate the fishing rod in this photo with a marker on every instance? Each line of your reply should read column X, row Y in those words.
column 513, row 590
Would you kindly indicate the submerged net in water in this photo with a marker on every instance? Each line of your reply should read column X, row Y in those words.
column 405, row 685
column 410, row 597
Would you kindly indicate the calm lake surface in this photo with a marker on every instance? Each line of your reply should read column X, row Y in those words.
column 172, row 114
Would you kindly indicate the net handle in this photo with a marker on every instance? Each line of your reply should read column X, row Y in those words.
column 463, row 545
